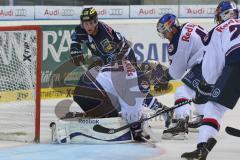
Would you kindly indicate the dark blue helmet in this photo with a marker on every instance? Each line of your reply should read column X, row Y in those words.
column 226, row 10
column 166, row 24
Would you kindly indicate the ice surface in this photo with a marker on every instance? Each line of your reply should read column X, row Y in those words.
column 227, row 147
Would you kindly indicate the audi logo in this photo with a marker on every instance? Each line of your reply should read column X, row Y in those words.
column 210, row 10
column 67, row 12
column 162, row 11
column 115, row 12
column 20, row 12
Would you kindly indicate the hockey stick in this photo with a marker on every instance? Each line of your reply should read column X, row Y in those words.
column 102, row 129
column 149, row 142
column 233, row 131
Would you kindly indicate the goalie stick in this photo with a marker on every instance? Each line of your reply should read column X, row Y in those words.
column 102, row 129
column 233, row 131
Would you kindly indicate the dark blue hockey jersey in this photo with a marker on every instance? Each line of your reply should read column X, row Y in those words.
column 107, row 44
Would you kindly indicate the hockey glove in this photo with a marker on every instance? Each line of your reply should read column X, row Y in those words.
column 203, row 92
column 76, row 54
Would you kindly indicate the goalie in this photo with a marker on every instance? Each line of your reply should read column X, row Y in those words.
column 118, row 87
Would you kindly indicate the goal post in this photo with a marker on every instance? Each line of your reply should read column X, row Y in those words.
column 20, row 82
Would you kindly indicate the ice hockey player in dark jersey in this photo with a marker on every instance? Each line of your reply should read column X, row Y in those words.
column 104, row 43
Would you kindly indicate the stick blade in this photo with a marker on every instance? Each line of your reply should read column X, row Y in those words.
column 101, row 129
column 233, row 131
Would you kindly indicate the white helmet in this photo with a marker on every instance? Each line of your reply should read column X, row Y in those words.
column 226, row 10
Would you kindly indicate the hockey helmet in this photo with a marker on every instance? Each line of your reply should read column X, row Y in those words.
column 226, row 10
column 89, row 14
column 166, row 24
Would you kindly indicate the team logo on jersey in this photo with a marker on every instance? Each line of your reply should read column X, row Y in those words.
column 170, row 48
column 216, row 92
column 108, row 46
column 195, row 83
column 93, row 46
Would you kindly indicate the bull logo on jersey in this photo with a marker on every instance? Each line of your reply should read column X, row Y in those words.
column 108, row 46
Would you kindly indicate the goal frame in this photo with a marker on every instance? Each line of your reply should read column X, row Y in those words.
column 38, row 72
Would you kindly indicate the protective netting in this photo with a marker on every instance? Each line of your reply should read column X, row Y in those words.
column 18, row 54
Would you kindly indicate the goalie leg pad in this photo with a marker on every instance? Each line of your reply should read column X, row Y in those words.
column 81, row 131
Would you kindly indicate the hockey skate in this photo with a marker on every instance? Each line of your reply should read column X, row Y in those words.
column 177, row 131
column 201, row 152
column 195, row 123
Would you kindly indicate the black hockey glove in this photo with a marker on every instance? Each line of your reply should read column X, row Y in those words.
column 203, row 93
column 158, row 107
column 76, row 54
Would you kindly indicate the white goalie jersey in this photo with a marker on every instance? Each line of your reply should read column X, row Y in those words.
column 124, row 87
column 183, row 49
column 219, row 51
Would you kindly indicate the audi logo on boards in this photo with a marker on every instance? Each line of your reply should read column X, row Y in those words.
column 20, row 12
column 67, row 12
column 210, row 10
column 115, row 12
column 162, row 11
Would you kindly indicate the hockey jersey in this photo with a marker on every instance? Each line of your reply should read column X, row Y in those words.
column 124, row 85
column 222, row 47
column 183, row 49
column 106, row 44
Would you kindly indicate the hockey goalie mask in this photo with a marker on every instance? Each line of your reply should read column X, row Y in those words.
column 166, row 24
column 153, row 70
column 226, row 10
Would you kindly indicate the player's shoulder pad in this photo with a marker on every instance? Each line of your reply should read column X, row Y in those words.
column 188, row 30
column 208, row 37
column 103, row 26
column 79, row 34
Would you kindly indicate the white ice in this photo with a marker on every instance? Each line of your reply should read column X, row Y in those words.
column 227, row 148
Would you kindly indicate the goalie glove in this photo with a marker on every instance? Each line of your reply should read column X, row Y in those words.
column 203, row 92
